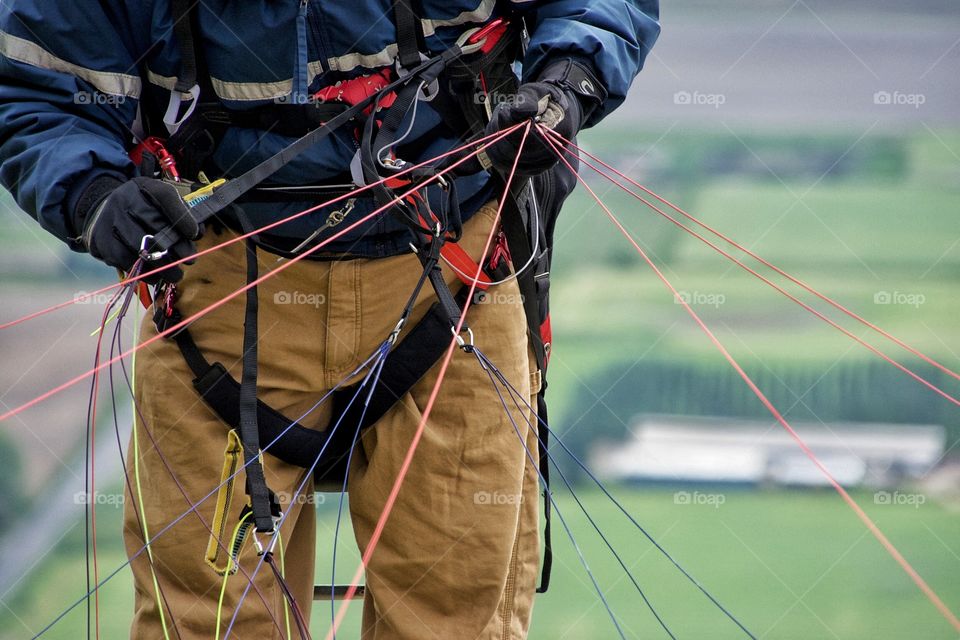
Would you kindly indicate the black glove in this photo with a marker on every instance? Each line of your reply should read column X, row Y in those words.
column 562, row 99
column 115, row 216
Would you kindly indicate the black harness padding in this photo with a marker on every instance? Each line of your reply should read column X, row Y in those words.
column 468, row 88
column 290, row 441
column 379, row 135
column 407, row 364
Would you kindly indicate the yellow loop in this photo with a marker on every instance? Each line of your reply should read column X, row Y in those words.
column 231, row 463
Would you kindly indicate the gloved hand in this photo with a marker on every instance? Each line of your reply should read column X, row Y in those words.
column 119, row 214
column 561, row 99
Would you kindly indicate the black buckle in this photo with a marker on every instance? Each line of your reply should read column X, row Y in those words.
column 163, row 320
column 165, row 314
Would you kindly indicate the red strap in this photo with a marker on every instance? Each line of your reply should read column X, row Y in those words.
column 465, row 266
column 546, row 335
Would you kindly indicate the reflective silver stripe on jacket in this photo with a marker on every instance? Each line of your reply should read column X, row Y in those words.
column 252, row 91
column 107, row 82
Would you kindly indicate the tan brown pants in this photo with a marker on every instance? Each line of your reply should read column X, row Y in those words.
column 459, row 555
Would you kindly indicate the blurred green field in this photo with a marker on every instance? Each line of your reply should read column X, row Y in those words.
column 884, row 218
column 856, row 231
column 790, row 565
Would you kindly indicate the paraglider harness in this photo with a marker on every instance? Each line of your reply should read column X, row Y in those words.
column 480, row 66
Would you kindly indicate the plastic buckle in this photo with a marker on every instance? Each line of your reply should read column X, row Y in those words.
column 163, row 320
column 428, row 92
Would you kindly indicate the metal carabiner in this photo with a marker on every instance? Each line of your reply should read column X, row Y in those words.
column 151, row 256
column 261, row 549
column 467, row 347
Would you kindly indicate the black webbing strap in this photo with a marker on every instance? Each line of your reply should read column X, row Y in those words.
column 449, row 307
column 261, row 499
column 196, row 139
column 183, row 12
column 290, row 120
column 409, row 33
column 233, row 189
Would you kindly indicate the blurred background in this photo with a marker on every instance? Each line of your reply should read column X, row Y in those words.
column 825, row 136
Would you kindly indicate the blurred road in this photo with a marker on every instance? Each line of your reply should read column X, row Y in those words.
column 806, row 65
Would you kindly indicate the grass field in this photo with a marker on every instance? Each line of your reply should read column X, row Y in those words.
column 790, row 565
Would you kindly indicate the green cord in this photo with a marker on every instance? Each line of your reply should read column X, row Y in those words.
column 230, row 569
column 110, row 319
column 283, row 571
column 136, row 471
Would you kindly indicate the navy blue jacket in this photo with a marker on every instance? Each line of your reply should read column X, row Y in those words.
column 72, row 75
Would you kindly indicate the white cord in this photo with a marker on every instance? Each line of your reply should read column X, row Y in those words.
column 413, row 120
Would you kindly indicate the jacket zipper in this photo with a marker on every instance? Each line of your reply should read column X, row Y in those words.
column 314, row 22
